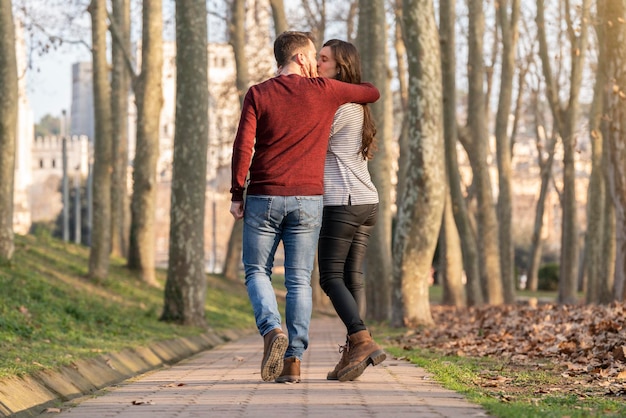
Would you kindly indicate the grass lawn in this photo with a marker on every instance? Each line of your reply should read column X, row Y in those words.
column 51, row 314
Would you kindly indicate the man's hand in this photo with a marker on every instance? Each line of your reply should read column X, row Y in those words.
column 236, row 209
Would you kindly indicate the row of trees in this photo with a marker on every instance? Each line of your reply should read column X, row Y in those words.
column 471, row 229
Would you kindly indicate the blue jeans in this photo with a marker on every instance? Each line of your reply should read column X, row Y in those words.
column 296, row 220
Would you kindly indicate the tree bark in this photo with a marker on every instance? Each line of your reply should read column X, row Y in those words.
column 509, row 32
column 545, row 167
column 403, row 141
column 8, row 127
column 149, row 99
column 450, row 270
column 566, row 119
column 372, row 42
column 594, row 238
column 237, row 34
column 488, row 247
column 103, row 165
column 420, row 206
column 617, row 137
column 185, row 289
column 120, row 86
column 459, row 206
column 278, row 13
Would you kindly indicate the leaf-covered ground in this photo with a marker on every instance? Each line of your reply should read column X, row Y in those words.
column 585, row 344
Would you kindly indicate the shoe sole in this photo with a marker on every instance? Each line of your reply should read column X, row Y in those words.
column 374, row 359
column 272, row 364
column 288, row 379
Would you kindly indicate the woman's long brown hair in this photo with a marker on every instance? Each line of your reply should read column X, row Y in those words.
column 349, row 70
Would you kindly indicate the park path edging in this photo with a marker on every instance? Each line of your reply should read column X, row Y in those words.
column 28, row 396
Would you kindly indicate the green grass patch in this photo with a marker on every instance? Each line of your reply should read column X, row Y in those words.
column 51, row 314
column 507, row 390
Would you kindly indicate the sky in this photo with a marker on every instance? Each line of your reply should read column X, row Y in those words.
column 49, row 80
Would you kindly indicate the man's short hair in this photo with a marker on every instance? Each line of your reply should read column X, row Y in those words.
column 287, row 43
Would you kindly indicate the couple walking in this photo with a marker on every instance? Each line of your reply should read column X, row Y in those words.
column 305, row 137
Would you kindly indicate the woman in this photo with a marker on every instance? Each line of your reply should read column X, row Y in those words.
column 350, row 209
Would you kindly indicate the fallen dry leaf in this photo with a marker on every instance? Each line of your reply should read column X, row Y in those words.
column 142, row 403
column 586, row 342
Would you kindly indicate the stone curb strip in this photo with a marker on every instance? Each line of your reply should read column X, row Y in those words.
column 30, row 395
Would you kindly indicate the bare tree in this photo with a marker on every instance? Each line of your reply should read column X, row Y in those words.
column 149, row 98
column 616, row 11
column 120, row 86
column 237, row 35
column 103, row 165
column 278, row 13
column 403, row 141
column 421, row 204
column 185, row 288
column 477, row 145
column 315, row 16
column 509, row 34
column 597, row 289
column 450, row 266
column 8, row 127
column 464, row 226
column 566, row 118
column 545, row 159
column 372, row 42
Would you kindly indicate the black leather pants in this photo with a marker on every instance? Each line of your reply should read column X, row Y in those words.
column 341, row 252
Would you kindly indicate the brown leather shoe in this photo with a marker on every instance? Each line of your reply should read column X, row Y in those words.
column 343, row 362
column 291, row 371
column 363, row 351
column 275, row 344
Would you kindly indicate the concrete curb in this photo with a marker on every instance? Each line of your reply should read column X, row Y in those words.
column 30, row 395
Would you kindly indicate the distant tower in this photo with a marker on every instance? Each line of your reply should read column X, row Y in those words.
column 82, row 113
column 25, row 132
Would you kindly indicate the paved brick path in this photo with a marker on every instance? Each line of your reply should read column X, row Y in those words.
column 226, row 382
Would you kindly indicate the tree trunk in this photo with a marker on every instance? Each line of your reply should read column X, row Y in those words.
column 372, row 41
column 149, row 99
column 403, row 139
column 488, row 247
column 617, row 139
column 237, row 33
column 185, row 289
column 278, row 13
column 8, row 127
column 594, row 237
column 509, row 31
column 315, row 19
column 420, row 206
column 536, row 243
column 120, row 85
column 566, row 119
column 459, row 206
column 450, row 269
column 103, row 165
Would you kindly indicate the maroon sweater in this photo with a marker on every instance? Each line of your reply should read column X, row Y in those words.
column 290, row 116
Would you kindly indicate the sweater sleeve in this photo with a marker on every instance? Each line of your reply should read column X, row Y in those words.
column 354, row 93
column 243, row 147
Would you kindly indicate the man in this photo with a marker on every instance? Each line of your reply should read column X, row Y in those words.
column 290, row 117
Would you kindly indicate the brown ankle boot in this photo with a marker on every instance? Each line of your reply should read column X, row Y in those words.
column 275, row 344
column 343, row 362
column 362, row 352
column 291, row 371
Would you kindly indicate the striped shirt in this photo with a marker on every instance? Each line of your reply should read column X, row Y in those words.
column 346, row 178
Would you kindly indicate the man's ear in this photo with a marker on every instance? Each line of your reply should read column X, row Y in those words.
column 300, row 59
